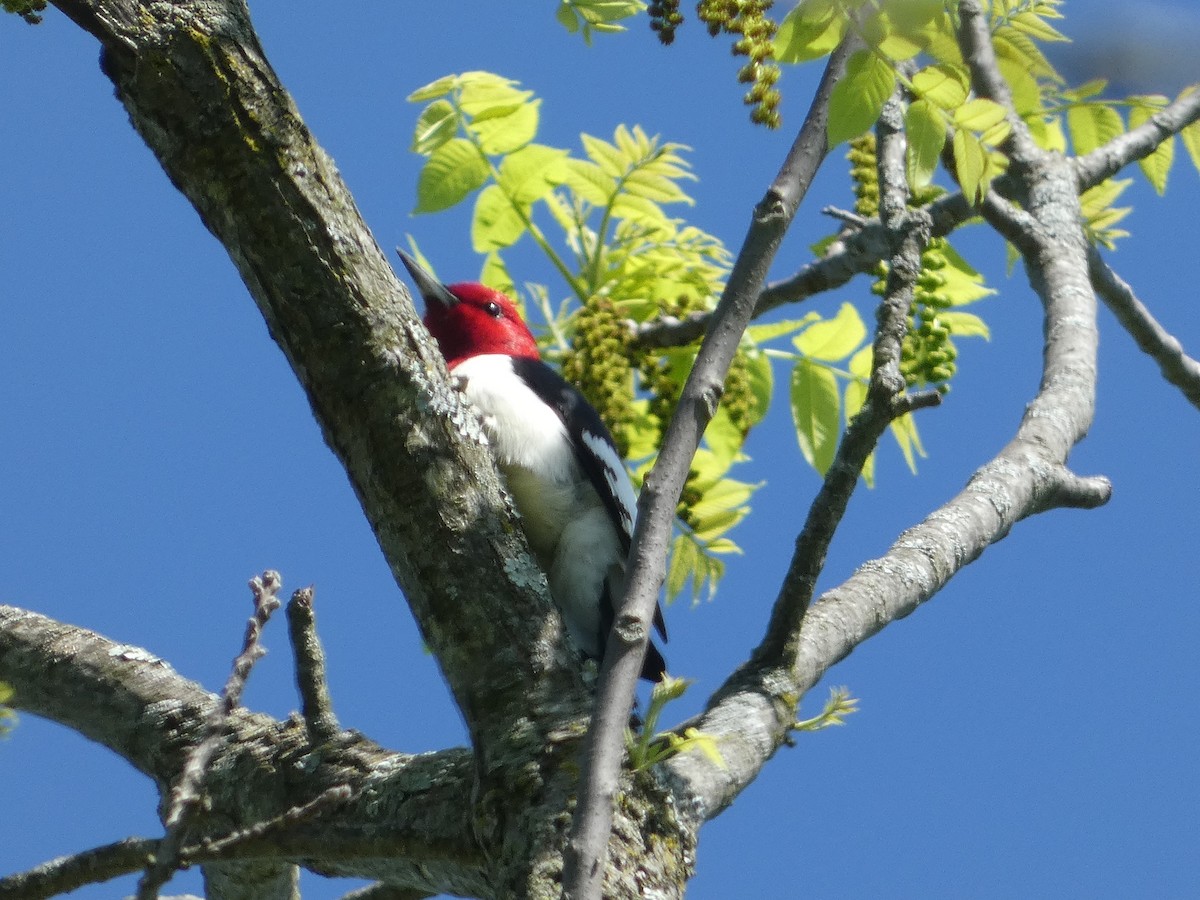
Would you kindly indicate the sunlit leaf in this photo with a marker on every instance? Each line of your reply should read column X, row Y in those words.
column 809, row 31
column 943, row 85
column 452, row 171
column 435, row 126
column 858, row 98
column 1157, row 165
column 926, row 130
column 496, row 223
column 816, row 413
column 1092, row 126
column 832, row 339
column 508, row 132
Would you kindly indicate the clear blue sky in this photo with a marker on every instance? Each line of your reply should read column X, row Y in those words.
column 1031, row 732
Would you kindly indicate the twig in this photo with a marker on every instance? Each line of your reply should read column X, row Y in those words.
column 583, row 866
column 59, row 876
column 185, row 796
column 1137, row 143
column 325, row 801
column 316, row 706
column 1164, row 348
column 851, row 218
column 909, row 231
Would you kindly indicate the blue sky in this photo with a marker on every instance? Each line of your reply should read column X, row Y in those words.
column 1030, row 732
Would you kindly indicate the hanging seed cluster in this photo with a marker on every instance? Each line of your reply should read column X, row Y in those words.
column 29, row 10
column 754, row 29
column 598, row 364
column 665, row 17
column 927, row 355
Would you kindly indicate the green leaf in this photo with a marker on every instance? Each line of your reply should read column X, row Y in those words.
column 944, row 85
column 434, row 89
column 1035, row 26
column 1191, row 142
column 809, row 31
column 1157, row 165
column 833, row 339
column 971, row 165
column 496, row 223
column 761, row 381
column 1024, row 88
column 858, row 98
column 964, row 324
column 926, row 130
column 532, row 172
column 1092, row 126
column 904, row 430
column 596, row 15
column 816, row 413
column 1191, row 138
column 979, row 115
column 452, row 171
column 507, row 131
column 435, row 126
column 495, row 275
column 590, row 182
column 484, row 95
column 684, row 557
column 760, row 334
column 723, row 437
column 895, row 42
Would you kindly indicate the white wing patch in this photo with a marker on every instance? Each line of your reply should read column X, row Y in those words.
column 615, row 477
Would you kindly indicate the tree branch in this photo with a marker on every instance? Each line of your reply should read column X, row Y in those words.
column 200, row 91
column 184, row 799
column 1138, row 143
column 408, row 819
column 315, row 703
column 583, row 862
column 67, row 873
column 750, row 714
column 909, row 233
column 1176, row 366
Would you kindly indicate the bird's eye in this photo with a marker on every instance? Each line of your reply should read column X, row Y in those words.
column 492, row 308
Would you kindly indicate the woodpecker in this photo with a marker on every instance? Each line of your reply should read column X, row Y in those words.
column 558, row 459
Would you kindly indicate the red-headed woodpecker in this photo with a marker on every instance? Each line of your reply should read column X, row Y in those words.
column 558, row 459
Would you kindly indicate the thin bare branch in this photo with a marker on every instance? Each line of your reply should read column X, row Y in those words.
column 67, row 873
column 1164, row 348
column 909, row 231
column 585, row 852
column 185, row 796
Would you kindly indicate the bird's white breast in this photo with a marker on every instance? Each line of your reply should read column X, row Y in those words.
column 531, row 447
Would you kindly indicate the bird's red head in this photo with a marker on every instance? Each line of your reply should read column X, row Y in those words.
column 469, row 319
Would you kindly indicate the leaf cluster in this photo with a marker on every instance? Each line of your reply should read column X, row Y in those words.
column 599, row 217
column 647, row 748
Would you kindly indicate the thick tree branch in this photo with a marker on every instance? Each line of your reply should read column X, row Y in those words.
column 408, row 819
column 583, row 867
column 201, row 93
column 1176, row 366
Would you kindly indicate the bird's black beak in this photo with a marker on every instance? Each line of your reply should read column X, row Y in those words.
column 432, row 290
